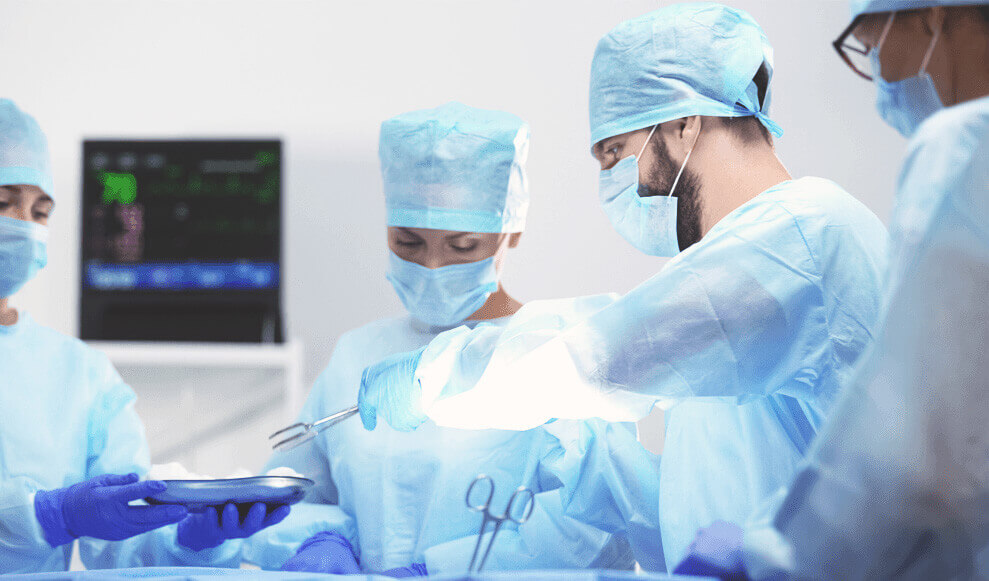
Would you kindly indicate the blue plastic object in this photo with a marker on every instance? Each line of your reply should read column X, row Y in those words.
column 871, row 6
column 99, row 508
column 413, row 570
column 446, row 295
column 23, row 252
column 685, row 59
column 210, row 528
column 325, row 552
column 716, row 552
column 455, row 168
column 388, row 389
column 24, row 158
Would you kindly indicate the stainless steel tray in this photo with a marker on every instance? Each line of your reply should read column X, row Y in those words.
column 199, row 494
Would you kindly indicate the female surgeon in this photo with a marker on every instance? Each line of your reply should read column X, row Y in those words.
column 388, row 501
column 71, row 446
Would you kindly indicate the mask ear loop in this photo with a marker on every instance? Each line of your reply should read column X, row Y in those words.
column 643, row 150
column 879, row 45
column 930, row 50
column 684, row 164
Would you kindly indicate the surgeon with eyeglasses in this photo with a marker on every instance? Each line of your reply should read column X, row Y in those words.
column 897, row 486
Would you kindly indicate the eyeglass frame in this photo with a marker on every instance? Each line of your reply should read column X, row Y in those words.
column 840, row 46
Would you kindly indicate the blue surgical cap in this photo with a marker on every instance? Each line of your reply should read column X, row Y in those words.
column 24, row 159
column 678, row 61
column 860, row 7
column 455, row 168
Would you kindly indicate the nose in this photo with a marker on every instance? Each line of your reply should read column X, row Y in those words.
column 21, row 213
column 432, row 262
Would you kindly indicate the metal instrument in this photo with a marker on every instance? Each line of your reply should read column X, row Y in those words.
column 198, row 495
column 512, row 513
column 302, row 432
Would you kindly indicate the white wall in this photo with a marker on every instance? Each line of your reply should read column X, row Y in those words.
column 323, row 75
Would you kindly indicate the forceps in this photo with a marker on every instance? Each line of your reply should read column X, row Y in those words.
column 485, row 509
column 302, row 432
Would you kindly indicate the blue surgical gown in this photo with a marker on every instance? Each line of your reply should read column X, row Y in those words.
column 898, row 484
column 399, row 496
column 747, row 337
column 68, row 416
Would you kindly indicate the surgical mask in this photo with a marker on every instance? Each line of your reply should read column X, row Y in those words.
column 23, row 252
column 905, row 104
column 648, row 223
column 446, row 295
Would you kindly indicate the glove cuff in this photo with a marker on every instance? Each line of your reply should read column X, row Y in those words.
column 48, row 511
column 331, row 536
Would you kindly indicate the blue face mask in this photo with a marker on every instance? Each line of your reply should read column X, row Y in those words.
column 905, row 104
column 648, row 223
column 23, row 252
column 446, row 295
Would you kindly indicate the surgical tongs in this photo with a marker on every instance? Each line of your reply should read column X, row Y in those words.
column 302, row 432
column 510, row 515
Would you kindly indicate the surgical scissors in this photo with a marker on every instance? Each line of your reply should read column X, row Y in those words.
column 302, row 432
column 485, row 509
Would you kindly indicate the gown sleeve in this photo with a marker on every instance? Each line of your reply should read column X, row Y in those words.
column 740, row 315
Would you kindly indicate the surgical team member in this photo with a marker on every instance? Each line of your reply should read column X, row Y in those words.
column 71, row 445
column 457, row 197
column 898, row 485
column 749, row 332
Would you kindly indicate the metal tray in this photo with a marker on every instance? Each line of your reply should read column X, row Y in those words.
column 199, row 494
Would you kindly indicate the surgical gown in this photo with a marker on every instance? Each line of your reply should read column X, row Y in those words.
column 747, row 336
column 403, row 493
column 898, row 486
column 68, row 416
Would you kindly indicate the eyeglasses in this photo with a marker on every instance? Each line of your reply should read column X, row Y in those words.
column 854, row 53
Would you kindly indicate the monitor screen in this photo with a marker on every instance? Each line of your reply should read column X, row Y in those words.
column 174, row 216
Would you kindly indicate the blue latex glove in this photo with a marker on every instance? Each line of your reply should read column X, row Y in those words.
column 389, row 390
column 413, row 570
column 207, row 529
column 99, row 508
column 715, row 552
column 326, row 552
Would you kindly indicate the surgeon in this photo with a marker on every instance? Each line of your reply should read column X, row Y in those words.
column 457, row 198
column 71, row 446
column 897, row 487
column 747, row 334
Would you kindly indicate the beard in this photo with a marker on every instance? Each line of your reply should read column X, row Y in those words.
column 658, row 183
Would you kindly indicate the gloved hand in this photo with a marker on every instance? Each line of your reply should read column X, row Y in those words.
column 715, row 552
column 99, row 508
column 325, row 552
column 389, row 390
column 413, row 570
column 207, row 529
